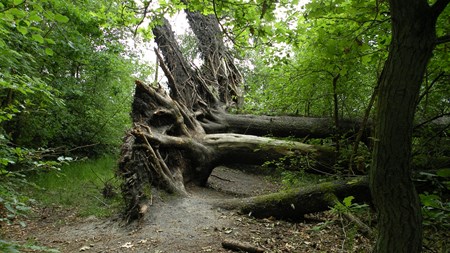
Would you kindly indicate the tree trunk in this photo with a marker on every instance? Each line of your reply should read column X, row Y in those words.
column 218, row 66
column 293, row 204
column 280, row 126
column 337, row 136
column 413, row 39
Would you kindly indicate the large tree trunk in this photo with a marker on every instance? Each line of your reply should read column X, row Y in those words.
column 280, row 126
column 413, row 39
column 218, row 67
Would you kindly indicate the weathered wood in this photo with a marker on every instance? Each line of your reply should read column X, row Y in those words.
column 206, row 152
column 293, row 204
column 362, row 227
column 250, row 149
column 241, row 246
column 218, row 67
column 167, row 148
column 281, row 126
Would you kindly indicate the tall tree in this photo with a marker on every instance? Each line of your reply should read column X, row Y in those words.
column 413, row 40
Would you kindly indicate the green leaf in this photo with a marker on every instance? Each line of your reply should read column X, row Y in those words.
column 49, row 51
column 348, row 201
column 49, row 15
column 38, row 38
column 34, row 17
column 61, row 18
column 443, row 172
column 25, row 22
column 17, row 2
column 9, row 208
column 50, row 41
column 22, row 29
column 18, row 13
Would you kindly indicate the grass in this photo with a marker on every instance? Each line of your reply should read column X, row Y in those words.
column 79, row 186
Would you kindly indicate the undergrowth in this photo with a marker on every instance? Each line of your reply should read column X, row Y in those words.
column 87, row 186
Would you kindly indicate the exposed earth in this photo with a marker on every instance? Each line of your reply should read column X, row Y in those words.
column 192, row 225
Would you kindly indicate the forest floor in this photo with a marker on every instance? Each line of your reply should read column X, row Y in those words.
column 191, row 225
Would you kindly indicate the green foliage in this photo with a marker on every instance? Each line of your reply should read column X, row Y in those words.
column 66, row 73
column 347, row 41
column 436, row 205
column 290, row 170
column 13, row 247
column 79, row 186
column 435, row 210
column 189, row 46
column 13, row 205
column 66, row 82
column 15, row 164
column 347, row 206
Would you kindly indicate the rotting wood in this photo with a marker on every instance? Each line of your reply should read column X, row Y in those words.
column 241, row 246
column 294, row 203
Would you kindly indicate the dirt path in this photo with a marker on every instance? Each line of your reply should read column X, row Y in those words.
column 192, row 225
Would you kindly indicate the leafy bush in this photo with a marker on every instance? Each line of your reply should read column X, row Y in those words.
column 347, row 206
column 436, row 205
column 16, row 163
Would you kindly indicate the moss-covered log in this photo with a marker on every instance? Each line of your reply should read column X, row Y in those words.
column 294, row 203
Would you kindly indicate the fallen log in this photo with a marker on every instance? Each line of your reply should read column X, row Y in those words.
column 294, row 203
column 284, row 126
column 241, row 246
column 362, row 227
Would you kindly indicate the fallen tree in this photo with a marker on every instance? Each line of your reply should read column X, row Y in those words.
column 168, row 148
column 294, row 203
column 182, row 132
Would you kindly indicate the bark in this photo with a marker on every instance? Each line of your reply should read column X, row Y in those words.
column 250, row 149
column 241, row 246
column 218, row 63
column 413, row 39
column 293, row 204
column 301, row 127
column 280, row 126
column 336, row 137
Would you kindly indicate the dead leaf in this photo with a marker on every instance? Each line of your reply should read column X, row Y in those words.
column 127, row 245
column 84, row 248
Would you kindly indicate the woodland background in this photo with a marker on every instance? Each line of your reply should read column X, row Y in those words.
column 67, row 72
